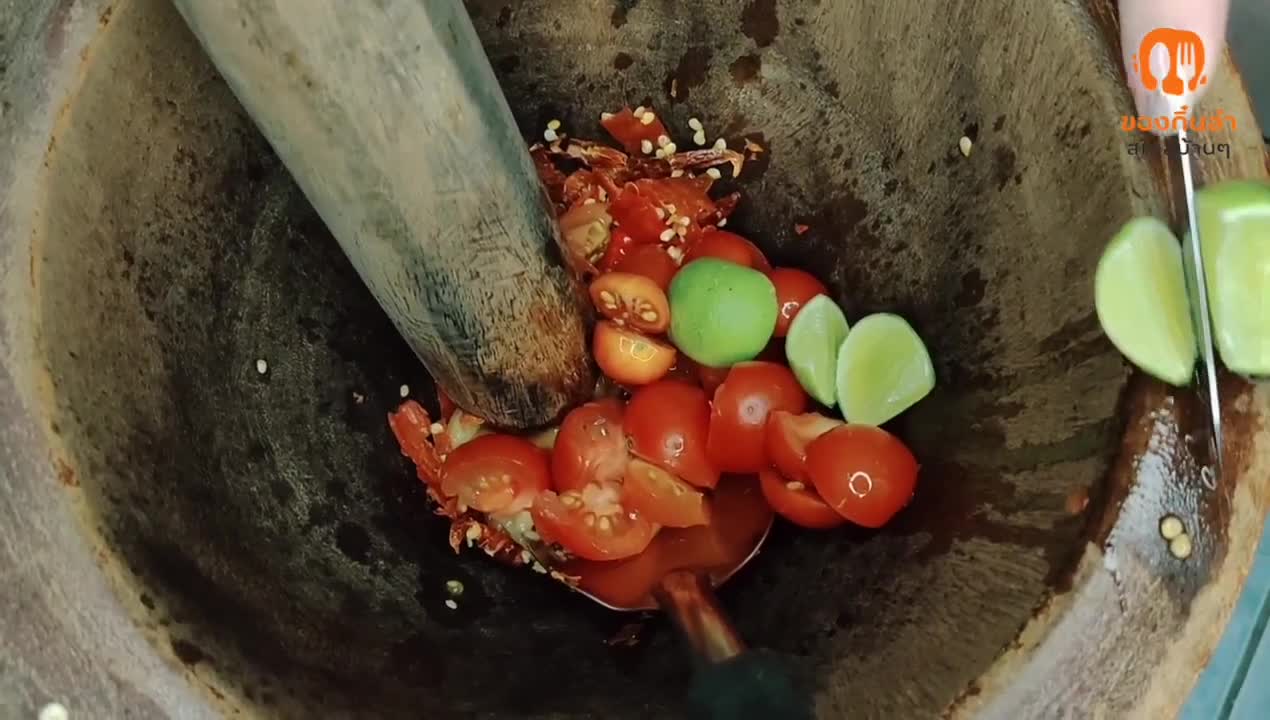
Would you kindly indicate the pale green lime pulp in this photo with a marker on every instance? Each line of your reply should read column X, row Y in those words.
column 1234, row 222
column 812, row 344
column 883, row 369
column 721, row 313
column 1141, row 299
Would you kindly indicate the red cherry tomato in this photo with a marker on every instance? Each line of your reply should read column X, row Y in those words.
column 651, row 261
column 797, row 503
column 631, row 131
column 590, row 447
column 621, row 244
column 739, row 516
column 727, row 246
column 499, row 474
column 667, row 423
column 865, row 473
column 787, row 438
column 793, row 289
column 738, row 420
column 662, row 497
column 629, row 357
column 638, row 215
column 592, row 523
column 585, row 229
column 632, row 301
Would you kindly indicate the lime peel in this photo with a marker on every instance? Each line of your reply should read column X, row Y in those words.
column 721, row 313
column 1141, row 299
column 883, row 369
column 811, row 347
column 1234, row 221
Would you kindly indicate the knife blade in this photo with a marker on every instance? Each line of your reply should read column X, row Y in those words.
column 1197, row 282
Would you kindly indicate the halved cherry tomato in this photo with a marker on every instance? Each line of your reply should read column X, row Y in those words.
column 620, row 245
column 726, row 246
column 687, row 195
column 631, row 131
column 629, row 357
column 632, row 301
column 638, row 215
column 499, row 474
column 592, row 523
column 413, row 429
column 752, row 390
column 662, row 497
column 793, row 289
column 590, row 447
column 787, row 438
column 651, row 261
column 739, row 518
column 865, row 473
column 667, row 423
column 585, row 229
column 797, row 503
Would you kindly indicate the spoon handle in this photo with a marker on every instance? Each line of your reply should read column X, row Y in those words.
column 688, row 600
column 734, row 683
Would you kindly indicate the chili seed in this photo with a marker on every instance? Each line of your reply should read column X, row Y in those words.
column 1180, row 546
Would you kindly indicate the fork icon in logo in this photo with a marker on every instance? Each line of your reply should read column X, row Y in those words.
column 1186, row 61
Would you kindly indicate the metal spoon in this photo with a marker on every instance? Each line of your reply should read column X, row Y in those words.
column 677, row 574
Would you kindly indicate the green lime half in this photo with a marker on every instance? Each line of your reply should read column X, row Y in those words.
column 811, row 346
column 1234, row 221
column 1141, row 299
column 883, row 369
column 721, row 313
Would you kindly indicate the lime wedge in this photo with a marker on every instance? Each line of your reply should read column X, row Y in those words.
column 1192, row 292
column 1234, row 221
column 1141, row 298
column 883, row 369
column 811, row 346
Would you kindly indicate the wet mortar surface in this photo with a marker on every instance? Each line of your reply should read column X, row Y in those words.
column 280, row 540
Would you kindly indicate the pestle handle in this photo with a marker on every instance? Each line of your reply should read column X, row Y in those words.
column 732, row 682
column 390, row 119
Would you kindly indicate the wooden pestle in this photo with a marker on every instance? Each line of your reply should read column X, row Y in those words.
column 388, row 115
